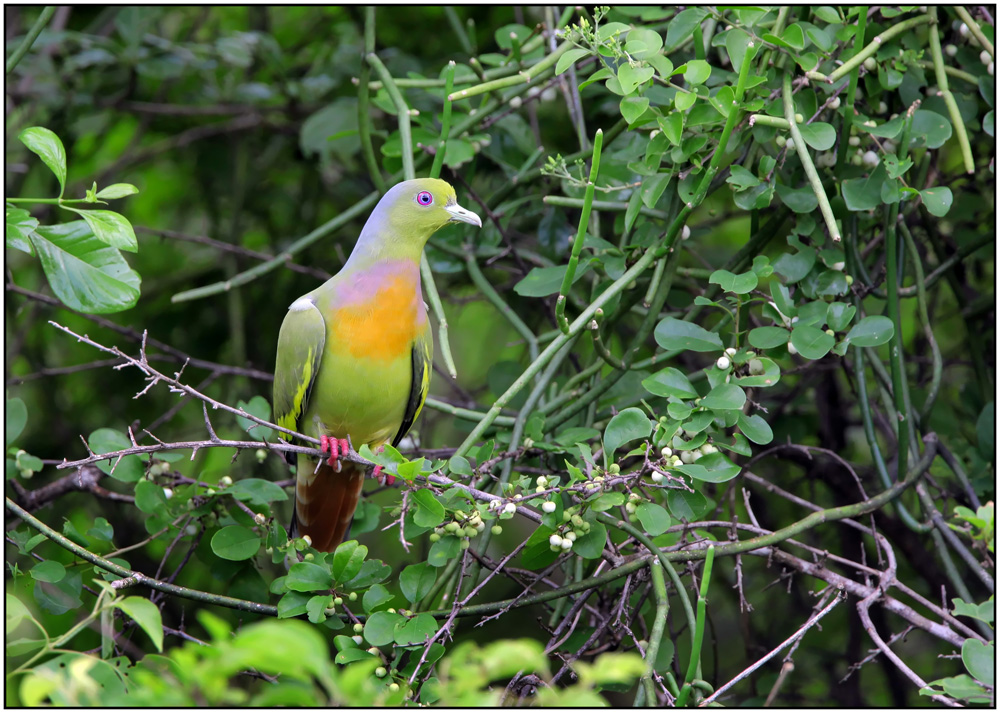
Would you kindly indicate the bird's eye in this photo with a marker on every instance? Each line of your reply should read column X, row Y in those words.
column 425, row 198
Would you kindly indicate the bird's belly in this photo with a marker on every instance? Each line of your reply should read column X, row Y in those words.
column 361, row 400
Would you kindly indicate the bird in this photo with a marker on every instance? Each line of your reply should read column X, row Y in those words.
column 354, row 356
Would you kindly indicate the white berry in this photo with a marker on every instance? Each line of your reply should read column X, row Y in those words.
column 549, row 506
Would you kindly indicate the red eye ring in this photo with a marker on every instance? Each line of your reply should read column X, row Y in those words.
column 425, row 198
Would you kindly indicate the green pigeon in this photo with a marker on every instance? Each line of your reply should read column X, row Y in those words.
column 354, row 355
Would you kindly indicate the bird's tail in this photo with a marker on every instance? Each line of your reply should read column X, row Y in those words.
column 325, row 501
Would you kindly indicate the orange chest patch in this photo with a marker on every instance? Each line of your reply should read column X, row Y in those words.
column 382, row 328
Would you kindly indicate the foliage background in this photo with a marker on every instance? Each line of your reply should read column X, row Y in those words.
column 240, row 127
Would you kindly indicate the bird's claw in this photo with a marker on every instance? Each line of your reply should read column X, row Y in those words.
column 336, row 447
column 383, row 478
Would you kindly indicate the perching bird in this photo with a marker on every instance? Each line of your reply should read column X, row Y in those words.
column 354, row 355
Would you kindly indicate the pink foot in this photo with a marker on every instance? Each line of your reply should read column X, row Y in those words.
column 383, row 478
column 335, row 447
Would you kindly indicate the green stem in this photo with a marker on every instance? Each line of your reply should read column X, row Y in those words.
column 467, row 414
column 29, row 39
column 361, row 207
column 949, row 99
column 579, row 324
column 449, row 79
column 877, row 42
column 402, row 113
column 617, row 206
column 124, row 572
column 695, row 661
column 896, row 365
column 581, row 231
column 479, row 279
column 522, row 77
column 364, row 120
column 53, row 201
column 936, row 367
column 458, row 29
column 806, row 159
column 852, row 89
column 765, row 120
column 974, row 29
column 659, row 624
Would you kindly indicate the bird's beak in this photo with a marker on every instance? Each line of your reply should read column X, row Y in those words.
column 461, row 215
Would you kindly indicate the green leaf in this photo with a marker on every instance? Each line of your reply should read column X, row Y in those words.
column 429, row 512
column 686, row 504
column 589, row 545
column 417, row 580
column 443, row 551
column 812, row 343
column 347, row 560
column 293, row 604
column 257, row 491
column 107, row 440
column 697, row 71
column 149, row 497
column 85, row 274
column 633, row 107
column 308, row 577
column 260, row 408
column 110, row 227
column 741, row 177
column 673, row 334
column 861, row 194
column 979, row 659
column 741, row 284
column 770, row 377
column 102, row 530
column 459, row 465
column 20, row 225
column 819, row 135
column 930, row 129
column 870, row 331
column 49, row 148
column 625, row 426
column 48, row 571
column 681, row 27
column 713, row 468
column 146, row 615
column 380, row 626
column 800, row 200
column 839, row 315
column 654, row 518
column 725, row 396
column 415, row 631
column 376, row 596
column 117, row 190
column 736, row 46
column 755, row 428
column 316, row 607
column 372, row 571
column 652, row 188
column 544, row 281
column 569, row 57
column 234, row 542
column 938, row 200
column 794, row 267
column 631, row 77
column 768, row 337
column 669, row 382
column 606, row 501
column 986, row 432
column 17, row 419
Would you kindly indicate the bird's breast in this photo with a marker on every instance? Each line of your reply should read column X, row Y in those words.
column 379, row 324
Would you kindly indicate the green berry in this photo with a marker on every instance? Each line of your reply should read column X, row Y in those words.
column 496, row 529
column 353, row 596
column 358, row 628
column 381, row 672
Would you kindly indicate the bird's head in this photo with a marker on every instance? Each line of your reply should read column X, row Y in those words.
column 424, row 205
column 407, row 215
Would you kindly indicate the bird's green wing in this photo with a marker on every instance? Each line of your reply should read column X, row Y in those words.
column 421, row 359
column 300, row 350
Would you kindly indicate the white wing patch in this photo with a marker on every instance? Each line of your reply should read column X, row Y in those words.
column 301, row 304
